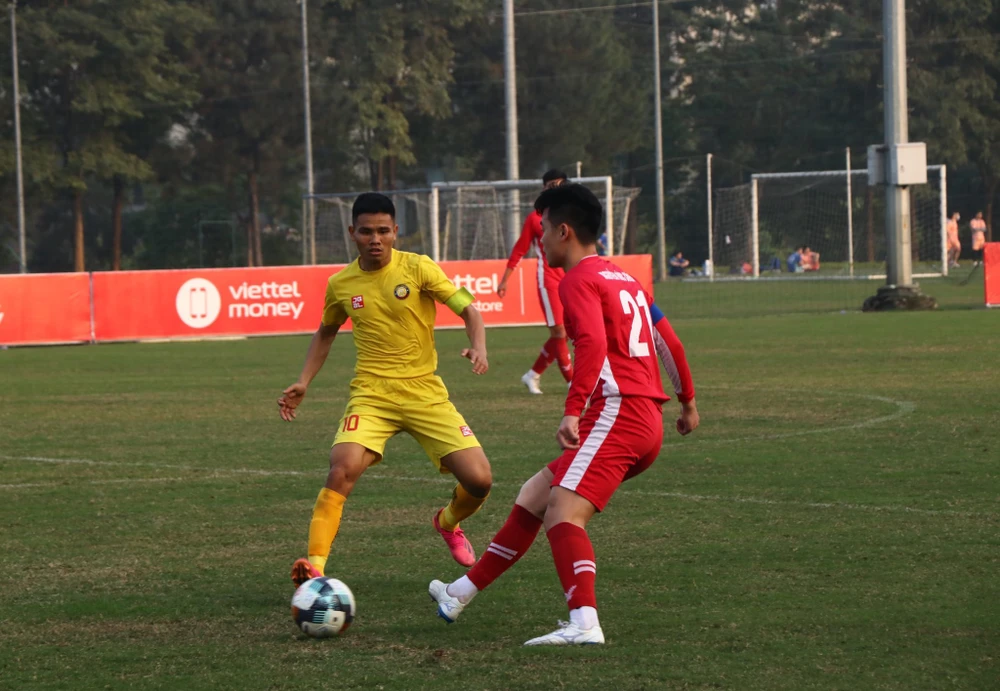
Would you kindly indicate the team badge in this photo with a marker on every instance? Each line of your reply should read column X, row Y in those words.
column 402, row 291
column 357, row 302
column 465, row 430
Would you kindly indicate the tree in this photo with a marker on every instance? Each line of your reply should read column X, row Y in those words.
column 90, row 70
column 249, row 122
column 393, row 62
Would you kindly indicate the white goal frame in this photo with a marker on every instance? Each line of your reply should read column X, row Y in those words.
column 514, row 222
column 848, row 176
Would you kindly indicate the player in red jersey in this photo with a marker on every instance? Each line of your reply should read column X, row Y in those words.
column 548, row 293
column 616, row 389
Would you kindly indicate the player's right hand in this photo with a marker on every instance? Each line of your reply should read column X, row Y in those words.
column 568, row 435
column 290, row 400
column 502, row 290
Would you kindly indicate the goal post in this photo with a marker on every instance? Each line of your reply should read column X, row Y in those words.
column 756, row 226
column 457, row 220
column 482, row 219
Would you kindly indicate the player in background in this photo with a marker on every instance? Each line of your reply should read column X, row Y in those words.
column 390, row 298
column 616, row 388
column 548, row 293
column 954, row 245
column 978, row 228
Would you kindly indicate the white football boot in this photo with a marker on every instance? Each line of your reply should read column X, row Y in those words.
column 531, row 379
column 569, row 633
column 448, row 607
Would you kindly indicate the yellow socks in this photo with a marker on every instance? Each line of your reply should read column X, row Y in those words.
column 324, row 525
column 462, row 506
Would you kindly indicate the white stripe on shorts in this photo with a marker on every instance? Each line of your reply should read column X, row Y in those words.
column 584, row 456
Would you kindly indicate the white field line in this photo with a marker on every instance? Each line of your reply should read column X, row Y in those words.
column 903, row 408
column 221, row 473
column 122, row 481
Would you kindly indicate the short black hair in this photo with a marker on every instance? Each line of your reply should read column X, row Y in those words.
column 372, row 203
column 553, row 174
column 576, row 206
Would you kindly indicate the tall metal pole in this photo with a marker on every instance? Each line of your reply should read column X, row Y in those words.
column 850, row 217
column 510, row 91
column 661, row 226
column 899, row 292
column 17, row 140
column 309, row 223
column 899, row 269
column 711, row 219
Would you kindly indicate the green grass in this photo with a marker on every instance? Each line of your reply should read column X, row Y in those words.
column 834, row 524
column 805, row 294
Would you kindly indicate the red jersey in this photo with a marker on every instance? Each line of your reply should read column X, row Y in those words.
column 531, row 238
column 608, row 318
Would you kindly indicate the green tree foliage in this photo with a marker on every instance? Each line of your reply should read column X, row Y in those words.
column 90, row 70
column 185, row 96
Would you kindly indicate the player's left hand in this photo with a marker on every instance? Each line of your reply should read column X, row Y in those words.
column 568, row 435
column 478, row 359
column 689, row 420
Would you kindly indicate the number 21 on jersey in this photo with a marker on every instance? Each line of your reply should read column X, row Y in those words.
column 637, row 308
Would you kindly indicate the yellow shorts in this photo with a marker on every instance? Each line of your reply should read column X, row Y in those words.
column 382, row 408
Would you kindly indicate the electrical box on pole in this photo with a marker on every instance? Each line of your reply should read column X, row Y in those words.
column 900, row 165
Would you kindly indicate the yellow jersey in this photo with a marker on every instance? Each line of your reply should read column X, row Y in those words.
column 392, row 311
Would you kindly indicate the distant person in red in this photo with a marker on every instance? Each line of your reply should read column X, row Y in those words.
column 555, row 349
column 613, row 424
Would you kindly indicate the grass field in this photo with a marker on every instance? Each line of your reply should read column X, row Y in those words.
column 834, row 523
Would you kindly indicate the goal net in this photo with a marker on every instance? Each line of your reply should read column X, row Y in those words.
column 757, row 226
column 331, row 242
column 482, row 220
column 456, row 220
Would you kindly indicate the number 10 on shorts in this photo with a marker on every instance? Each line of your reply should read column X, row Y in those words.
column 351, row 423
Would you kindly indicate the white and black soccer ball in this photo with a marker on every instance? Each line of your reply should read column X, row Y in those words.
column 323, row 607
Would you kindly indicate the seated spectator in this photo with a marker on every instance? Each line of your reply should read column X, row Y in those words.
column 678, row 264
column 810, row 260
column 795, row 261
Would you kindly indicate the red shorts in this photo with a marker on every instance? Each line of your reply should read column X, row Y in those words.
column 548, row 296
column 619, row 438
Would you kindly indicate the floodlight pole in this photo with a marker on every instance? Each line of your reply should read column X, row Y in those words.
column 899, row 271
column 899, row 292
column 661, row 225
column 17, row 140
column 308, row 223
column 510, row 92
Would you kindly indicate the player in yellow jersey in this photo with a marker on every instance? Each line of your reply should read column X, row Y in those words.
column 390, row 299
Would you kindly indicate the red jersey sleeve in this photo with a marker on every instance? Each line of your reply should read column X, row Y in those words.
column 671, row 352
column 529, row 231
column 584, row 321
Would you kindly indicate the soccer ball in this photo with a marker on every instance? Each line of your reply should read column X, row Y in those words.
column 323, row 607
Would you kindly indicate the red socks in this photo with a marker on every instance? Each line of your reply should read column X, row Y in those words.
column 544, row 360
column 555, row 349
column 509, row 545
column 562, row 356
column 574, row 558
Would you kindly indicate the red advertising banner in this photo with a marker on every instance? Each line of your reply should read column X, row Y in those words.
column 991, row 265
column 199, row 303
column 38, row 309
column 135, row 305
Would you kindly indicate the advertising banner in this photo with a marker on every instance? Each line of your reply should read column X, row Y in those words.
column 205, row 303
column 38, row 309
column 991, row 264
